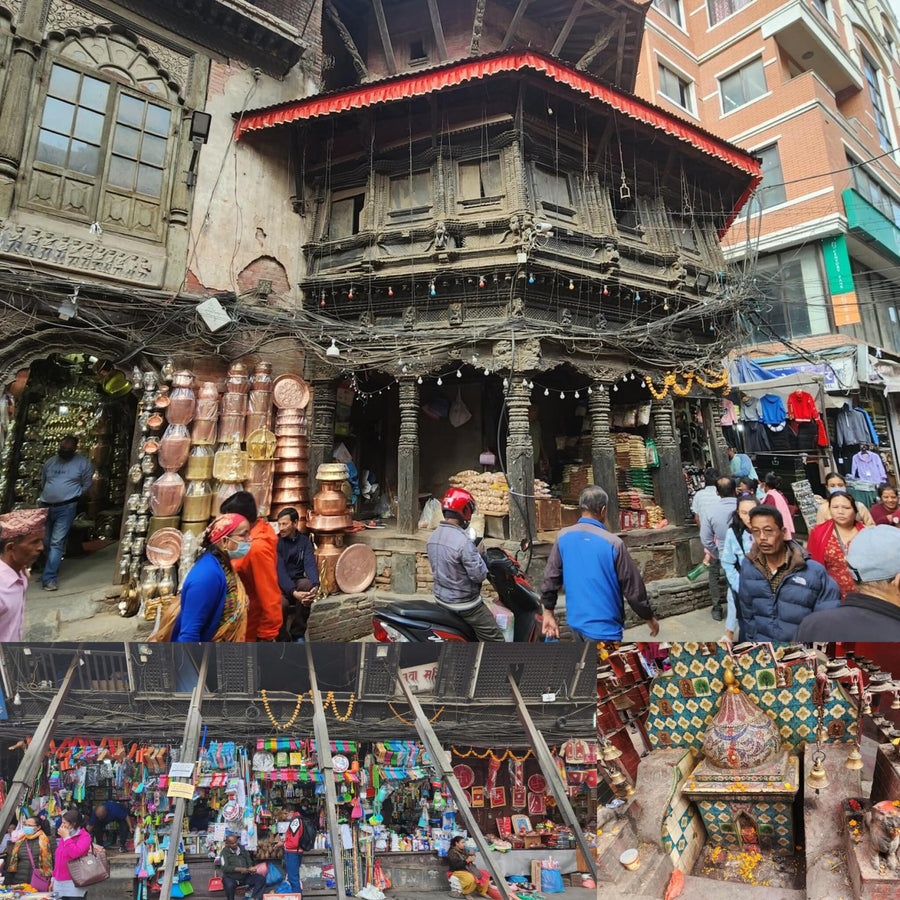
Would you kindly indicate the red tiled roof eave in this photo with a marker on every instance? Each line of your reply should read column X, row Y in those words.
column 423, row 83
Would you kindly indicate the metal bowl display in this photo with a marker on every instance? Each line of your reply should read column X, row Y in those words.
column 332, row 472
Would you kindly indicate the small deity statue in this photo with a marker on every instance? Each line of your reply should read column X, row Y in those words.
column 440, row 236
column 883, row 822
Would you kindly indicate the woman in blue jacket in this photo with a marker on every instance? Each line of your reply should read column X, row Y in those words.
column 213, row 604
column 738, row 541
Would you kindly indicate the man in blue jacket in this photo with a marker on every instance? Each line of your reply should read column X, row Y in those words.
column 597, row 572
column 779, row 584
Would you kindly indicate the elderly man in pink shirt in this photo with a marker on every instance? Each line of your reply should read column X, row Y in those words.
column 21, row 542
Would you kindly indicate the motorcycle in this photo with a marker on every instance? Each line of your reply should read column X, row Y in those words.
column 420, row 621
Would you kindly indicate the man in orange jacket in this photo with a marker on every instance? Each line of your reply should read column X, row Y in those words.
column 258, row 570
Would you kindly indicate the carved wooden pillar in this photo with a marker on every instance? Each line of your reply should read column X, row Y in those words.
column 14, row 116
column 321, row 438
column 603, row 452
column 408, row 458
column 717, row 444
column 520, row 461
column 672, row 487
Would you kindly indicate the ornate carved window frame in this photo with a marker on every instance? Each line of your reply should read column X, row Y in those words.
column 97, row 186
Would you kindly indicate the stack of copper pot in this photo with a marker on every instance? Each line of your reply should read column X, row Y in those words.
column 291, row 480
column 199, row 494
column 329, row 518
column 233, row 417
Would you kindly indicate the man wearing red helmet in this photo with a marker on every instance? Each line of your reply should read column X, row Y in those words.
column 458, row 566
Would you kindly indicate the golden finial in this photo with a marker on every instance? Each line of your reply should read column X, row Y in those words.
column 731, row 683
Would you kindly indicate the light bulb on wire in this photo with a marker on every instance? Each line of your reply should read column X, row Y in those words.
column 530, row 278
column 546, row 392
column 562, row 396
column 440, row 380
column 481, row 281
column 459, row 373
column 390, row 292
column 571, row 285
column 432, row 290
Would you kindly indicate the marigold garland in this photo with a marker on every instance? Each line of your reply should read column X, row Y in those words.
column 329, row 700
column 716, row 381
column 490, row 753
column 434, row 718
column 286, row 725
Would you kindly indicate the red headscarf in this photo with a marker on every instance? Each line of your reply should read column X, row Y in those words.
column 223, row 525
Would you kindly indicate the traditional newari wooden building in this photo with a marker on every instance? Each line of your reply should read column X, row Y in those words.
column 488, row 208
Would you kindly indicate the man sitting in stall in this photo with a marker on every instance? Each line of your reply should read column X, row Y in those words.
column 238, row 869
column 105, row 815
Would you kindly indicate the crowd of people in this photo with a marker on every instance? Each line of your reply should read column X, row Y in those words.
column 845, row 581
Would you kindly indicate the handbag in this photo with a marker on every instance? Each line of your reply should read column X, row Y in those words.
column 89, row 869
column 37, row 881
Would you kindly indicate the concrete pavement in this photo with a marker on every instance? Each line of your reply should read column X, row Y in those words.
column 696, row 625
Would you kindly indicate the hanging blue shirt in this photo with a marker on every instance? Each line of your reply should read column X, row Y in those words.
column 773, row 411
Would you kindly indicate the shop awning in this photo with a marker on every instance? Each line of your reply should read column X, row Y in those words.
column 438, row 79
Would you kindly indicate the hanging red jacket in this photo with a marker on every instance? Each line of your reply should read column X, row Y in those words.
column 801, row 407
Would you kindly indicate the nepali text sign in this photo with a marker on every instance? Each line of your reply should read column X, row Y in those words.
column 840, row 280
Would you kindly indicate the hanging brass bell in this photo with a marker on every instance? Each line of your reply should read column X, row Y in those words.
column 628, row 791
column 821, row 733
column 854, row 760
column 896, row 703
column 817, row 778
column 611, row 752
column 617, row 777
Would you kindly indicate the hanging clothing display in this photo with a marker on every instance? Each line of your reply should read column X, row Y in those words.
column 801, row 409
column 750, row 409
column 782, row 437
column 867, row 466
column 852, row 427
column 756, row 437
column 773, row 411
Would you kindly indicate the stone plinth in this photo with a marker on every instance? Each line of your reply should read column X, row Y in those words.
column 868, row 882
column 886, row 780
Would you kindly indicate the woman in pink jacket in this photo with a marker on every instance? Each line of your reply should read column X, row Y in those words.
column 774, row 497
column 74, row 842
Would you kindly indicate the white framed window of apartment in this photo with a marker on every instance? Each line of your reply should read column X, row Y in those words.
column 822, row 7
column 102, row 146
column 873, row 192
column 782, row 298
column 743, row 85
column 671, row 9
column 877, row 98
column 771, row 190
column 676, row 88
column 722, row 9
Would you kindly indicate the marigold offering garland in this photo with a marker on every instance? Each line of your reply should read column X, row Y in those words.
column 715, row 381
column 282, row 726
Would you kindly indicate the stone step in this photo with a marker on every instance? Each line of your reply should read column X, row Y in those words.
column 696, row 888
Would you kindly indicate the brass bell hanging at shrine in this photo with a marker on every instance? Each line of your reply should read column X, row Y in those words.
column 611, row 752
column 617, row 777
column 854, row 760
column 817, row 779
column 896, row 703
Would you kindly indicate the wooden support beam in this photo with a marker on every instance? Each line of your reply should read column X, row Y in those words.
column 445, row 771
column 514, row 24
column 601, row 41
column 326, row 767
column 438, row 29
column 620, row 50
column 574, row 13
column 33, row 759
column 347, row 40
column 554, row 780
column 477, row 26
column 385, row 36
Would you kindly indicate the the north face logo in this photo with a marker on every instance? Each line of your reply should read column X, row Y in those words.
column 799, row 579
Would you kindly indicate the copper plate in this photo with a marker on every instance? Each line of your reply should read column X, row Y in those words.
column 164, row 547
column 355, row 568
column 290, row 391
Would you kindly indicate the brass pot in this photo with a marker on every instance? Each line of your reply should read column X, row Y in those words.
column 328, row 523
column 330, row 503
column 332, row 472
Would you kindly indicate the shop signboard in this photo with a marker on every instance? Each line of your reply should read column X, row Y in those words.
column 844, row 301
column 181, row 770
column 181, row 789
column 419, row 679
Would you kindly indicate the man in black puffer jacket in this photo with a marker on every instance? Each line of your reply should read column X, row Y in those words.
column 779, row 585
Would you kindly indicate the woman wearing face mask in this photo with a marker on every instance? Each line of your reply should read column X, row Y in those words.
column 737, row 543
column 213, row 603
column 30, row 859
column 74, row 842
column 834, row 481
column 830, row 541
column 887, row 510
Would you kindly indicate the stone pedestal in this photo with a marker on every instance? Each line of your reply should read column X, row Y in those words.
column 672, row 487
column 408, row 458
column 603, row 452
column 886, row 779
column 520, row 462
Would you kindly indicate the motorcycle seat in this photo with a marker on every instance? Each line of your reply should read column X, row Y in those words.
column 425, row 610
